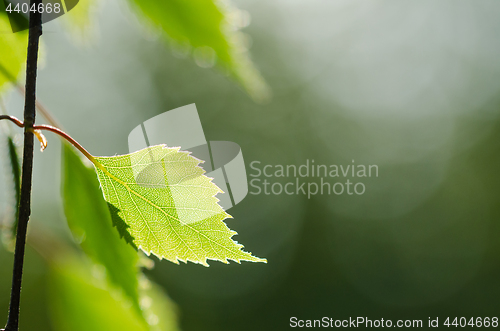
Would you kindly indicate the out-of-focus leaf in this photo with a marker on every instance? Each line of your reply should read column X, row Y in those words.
column 81, row 300
column 168, row 206
column 90, row 221
column 81, row 21
column 9, row 233
column 209, row 30
column 160, row 312
column 13, row 49
column 18, row 21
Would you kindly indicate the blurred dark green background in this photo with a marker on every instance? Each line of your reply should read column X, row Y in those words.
column 411, row 86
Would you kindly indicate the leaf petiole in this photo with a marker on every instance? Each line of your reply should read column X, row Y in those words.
column 37, row 128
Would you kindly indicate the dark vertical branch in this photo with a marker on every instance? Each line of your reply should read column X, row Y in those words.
column 25, row 200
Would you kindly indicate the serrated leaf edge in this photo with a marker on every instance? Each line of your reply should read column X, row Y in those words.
column 177, row 259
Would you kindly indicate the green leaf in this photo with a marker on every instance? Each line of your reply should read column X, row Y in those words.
column 13, row 50
column 80, row 301
column 209, row 30
column 90, row 222
column 15, row 167
column 18, row 21
column 168, row 206
column 159, row 310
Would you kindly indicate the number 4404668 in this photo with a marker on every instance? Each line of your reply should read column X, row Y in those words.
column 41, row 8
column 478, row 322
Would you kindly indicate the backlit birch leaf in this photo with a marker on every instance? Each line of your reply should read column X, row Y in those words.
column 162, row 203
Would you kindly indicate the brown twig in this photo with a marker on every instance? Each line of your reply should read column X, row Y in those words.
column 27, row 168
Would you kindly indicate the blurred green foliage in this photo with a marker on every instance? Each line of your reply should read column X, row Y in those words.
column 81, row 301
column 90, row 222
column 81, row 298
column 10, row 225
column 209, row 30
column 13, row 50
